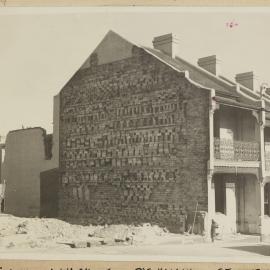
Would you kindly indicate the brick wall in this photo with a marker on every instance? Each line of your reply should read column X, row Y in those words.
column 134, row 144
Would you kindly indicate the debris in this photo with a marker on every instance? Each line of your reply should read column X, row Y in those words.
column 80, row 244
column 43, row 233
column 21, row 228
column 102, row 242
column 118, row 240
column 10, row 245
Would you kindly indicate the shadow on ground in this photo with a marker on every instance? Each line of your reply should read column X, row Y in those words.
column 258, row 249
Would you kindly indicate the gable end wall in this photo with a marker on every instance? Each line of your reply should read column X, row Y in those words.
column 134, row 144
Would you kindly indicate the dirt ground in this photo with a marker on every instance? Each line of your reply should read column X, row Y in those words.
column 28, row 237
column 29, row 233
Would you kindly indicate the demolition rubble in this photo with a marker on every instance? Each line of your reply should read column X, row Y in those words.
column 47, row 233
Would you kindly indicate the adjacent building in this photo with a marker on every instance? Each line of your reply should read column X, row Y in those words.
column 30, row 175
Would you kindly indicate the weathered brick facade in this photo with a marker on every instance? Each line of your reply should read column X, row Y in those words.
column 134, row 143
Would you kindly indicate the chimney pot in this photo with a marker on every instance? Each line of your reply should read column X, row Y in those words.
column 166, row 43
column 210, row 63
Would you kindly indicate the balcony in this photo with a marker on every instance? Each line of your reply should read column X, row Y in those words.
column 267, row 155
column 230, row 150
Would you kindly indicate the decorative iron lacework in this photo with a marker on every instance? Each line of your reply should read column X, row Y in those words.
column 267, row 155
column 226, row 149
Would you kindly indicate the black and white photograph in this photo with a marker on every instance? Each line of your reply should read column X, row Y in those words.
column 135, row 133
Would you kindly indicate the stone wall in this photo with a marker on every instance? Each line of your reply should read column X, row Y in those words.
column 134, row 143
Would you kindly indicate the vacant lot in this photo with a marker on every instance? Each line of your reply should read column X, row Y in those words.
column 46, row 238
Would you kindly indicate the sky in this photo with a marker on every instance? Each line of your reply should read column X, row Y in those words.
column 41, row 48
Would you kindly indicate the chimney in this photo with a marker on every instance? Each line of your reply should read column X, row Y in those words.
column 167, row 44
column 210, row 63
column 247, row 79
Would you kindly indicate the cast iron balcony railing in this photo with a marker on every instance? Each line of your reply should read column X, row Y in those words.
column 267, row 155
column 226, row 149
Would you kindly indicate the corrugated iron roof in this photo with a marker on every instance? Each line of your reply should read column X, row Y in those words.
column 226, row 89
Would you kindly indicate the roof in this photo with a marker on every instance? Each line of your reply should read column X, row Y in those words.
column 194, row 71
column 227, row 91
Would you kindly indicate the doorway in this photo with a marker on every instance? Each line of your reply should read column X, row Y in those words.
column 220, row 196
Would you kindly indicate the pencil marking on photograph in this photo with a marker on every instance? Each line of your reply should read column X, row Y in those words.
column 232, row 24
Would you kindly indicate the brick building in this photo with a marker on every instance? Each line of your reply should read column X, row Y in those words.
column 146, row 136
column 127, row 147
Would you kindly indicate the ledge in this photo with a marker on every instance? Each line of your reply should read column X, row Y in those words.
column 241, row 164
